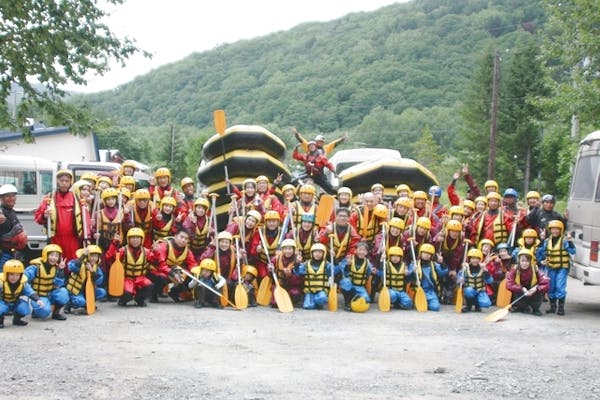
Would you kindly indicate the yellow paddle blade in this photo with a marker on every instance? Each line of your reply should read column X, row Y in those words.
column 116, row 278
column 241, row 297
column 324, row 210
column 224, row 300
column 459, row 301
column 332, row 301
column 283, row 300
column 497, row 315
column 384, row 299
column 220, row 123
column 264, row 294
column 420, row 300
column 504, row 295
column 90, row 294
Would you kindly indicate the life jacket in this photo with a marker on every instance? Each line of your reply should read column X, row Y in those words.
column 475, row 280
column 271, row 247
column 232, row 263
column 109, row 227
column 433, row 276
column 77, row 221
column 315, row 281
column 76, row 281
column 165, row 230
column 160, row 192
column 280, row 265
column 534, row 279
column 11, row 296
column 135, row 267
column 499, row 229
column 174, row 260
column 556, row 254
column 144, row 223
column 300, row 211
column 394, row 276
column 358, row 273
column 305, row 248
column 533, row 248
column 200, row 236
column 43, row 283
column 340, row 247
column 372, row 228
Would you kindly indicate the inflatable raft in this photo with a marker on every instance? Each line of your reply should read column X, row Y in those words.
column 244, row 137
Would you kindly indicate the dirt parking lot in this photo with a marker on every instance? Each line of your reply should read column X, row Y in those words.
column 173, row 351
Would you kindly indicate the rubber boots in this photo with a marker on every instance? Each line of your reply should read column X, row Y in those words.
column 18, row 321
column 57, row 315
column 552, row 308
column 561, row 307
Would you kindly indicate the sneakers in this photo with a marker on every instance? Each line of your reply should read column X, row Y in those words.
column 174, row 296
column 18, row 321
column 552, row 308
column 140, row 302
column 537, row 312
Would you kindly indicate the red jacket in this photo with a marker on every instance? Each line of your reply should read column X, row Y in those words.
column 313, row 162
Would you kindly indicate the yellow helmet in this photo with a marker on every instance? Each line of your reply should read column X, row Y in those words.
column 381, row 211
column 104, row 179
column 525, row 252
column 50, row 248
column 406, row 202
column 94, row 249
column 162, row 172
column 457, row 210
column 288, row 243
column 128, row 163
column 395, row 251
column 209, row 264
column 249, row 181
column 492, row 183
column 475, row 253
column 481, row 198
column 530, row 233
column 454, row 225
column 377, row 186
column 89, row 176
column 556, row 223
column 168, row 200
column 318, row 246
column 127, row 180
column 533, row 195
column 427, row 248
column 249, row 269
column 225, row 235
column 109, row 192
column 493, row 195
column 397, row 223
column 419, row 194
column 287, row 187
column 424, row 223
column 64, row 171
column 485, row 241
column 272, row 214
column 359, row 304
column 254, row 214
column 468, row 204
column 13, row 267
column 186, row 181
column 202, row 201
column 310, row 189
column 141, row 194
column 135, row 232
column 125, row 193
column 262, row 178
column 403, row 188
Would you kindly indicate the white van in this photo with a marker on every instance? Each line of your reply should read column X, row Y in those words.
column 34, row 178
column 584, row 210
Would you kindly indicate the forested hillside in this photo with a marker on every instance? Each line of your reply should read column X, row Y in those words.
column 410, row 76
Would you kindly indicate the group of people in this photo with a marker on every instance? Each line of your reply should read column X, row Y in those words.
column 170, row 245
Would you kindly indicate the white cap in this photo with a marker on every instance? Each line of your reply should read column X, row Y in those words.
column 8, row 188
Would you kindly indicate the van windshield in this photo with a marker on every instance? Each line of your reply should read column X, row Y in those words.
column 24, row 181
column 584, row 180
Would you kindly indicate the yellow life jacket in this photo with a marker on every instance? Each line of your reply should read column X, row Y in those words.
column 500, row 232
column 156, row 197
column 534, row 279
column 76, row 281
column 556, row 254
column 280, row 266
column 300, row 211
column 372, row 226
column 394, row 275
column 315, row 281
column 135, row 267
column 200, row 236
column 271, row 247
column 172, row 259
column 358, row 273
column 475, row 280
column 110, row 227
column 11, row 296
column 43, row 283
column 144, row 223
column 164, row 231
column 340, row 247
column 77, row 211
column 305, row 248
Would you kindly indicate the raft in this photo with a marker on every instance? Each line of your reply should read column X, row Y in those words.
column 244, row 137
column 390, row 172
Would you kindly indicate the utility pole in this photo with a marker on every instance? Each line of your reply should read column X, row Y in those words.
column 493, row 123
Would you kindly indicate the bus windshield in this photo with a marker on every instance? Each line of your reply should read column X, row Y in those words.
column 584, row 180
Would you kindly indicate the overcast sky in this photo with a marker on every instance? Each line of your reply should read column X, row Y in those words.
column 173, row 29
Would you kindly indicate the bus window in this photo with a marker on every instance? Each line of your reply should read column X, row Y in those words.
column 587, row 170
column 46, row 182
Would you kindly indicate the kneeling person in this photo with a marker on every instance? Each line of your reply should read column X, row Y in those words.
column 206, row 272
column 13, row 287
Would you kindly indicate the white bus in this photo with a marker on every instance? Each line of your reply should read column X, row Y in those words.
column 584, row 210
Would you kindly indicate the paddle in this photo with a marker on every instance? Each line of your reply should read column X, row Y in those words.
column 192, row 277
column 503, row 295
column 240, row 295
column 420, row 298
column 116, row 278
column 384, row 301
column 282, row 297
column 324, row 210
column 501, row 313
column 90, row 294
column 332, row 301
column 459, row 293
column 220, row 125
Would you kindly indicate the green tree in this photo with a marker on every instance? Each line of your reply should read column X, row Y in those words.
column 428, row 152
column 53, row 43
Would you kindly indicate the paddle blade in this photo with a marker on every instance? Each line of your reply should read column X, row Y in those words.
column 504, row 295
column 410, row 291
column 324, row 210
column 332, row 301
column 220, row 123
column 224, row 300
column 116, row 279
column 459, row 301
column 264, row 294
column 497, row 315
column 283, row 300
column 241, row 297
column 420, row 300
column 384, row 299
column 90, row 295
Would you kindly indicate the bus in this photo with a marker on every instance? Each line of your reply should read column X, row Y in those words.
column 584, row 210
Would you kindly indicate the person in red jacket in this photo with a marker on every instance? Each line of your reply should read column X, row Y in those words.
column 314, row 164
column 526, row 279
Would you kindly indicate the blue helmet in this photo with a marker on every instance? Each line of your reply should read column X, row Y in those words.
column 435, row 191
column 307, row 218
column 511, row 192
column 501, row 246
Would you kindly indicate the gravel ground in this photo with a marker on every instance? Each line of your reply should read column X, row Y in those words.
column 169, row 351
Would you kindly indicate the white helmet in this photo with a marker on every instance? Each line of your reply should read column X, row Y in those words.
column 8, row 189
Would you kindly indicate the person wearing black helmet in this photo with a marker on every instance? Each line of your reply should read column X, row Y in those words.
column 539, row 217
